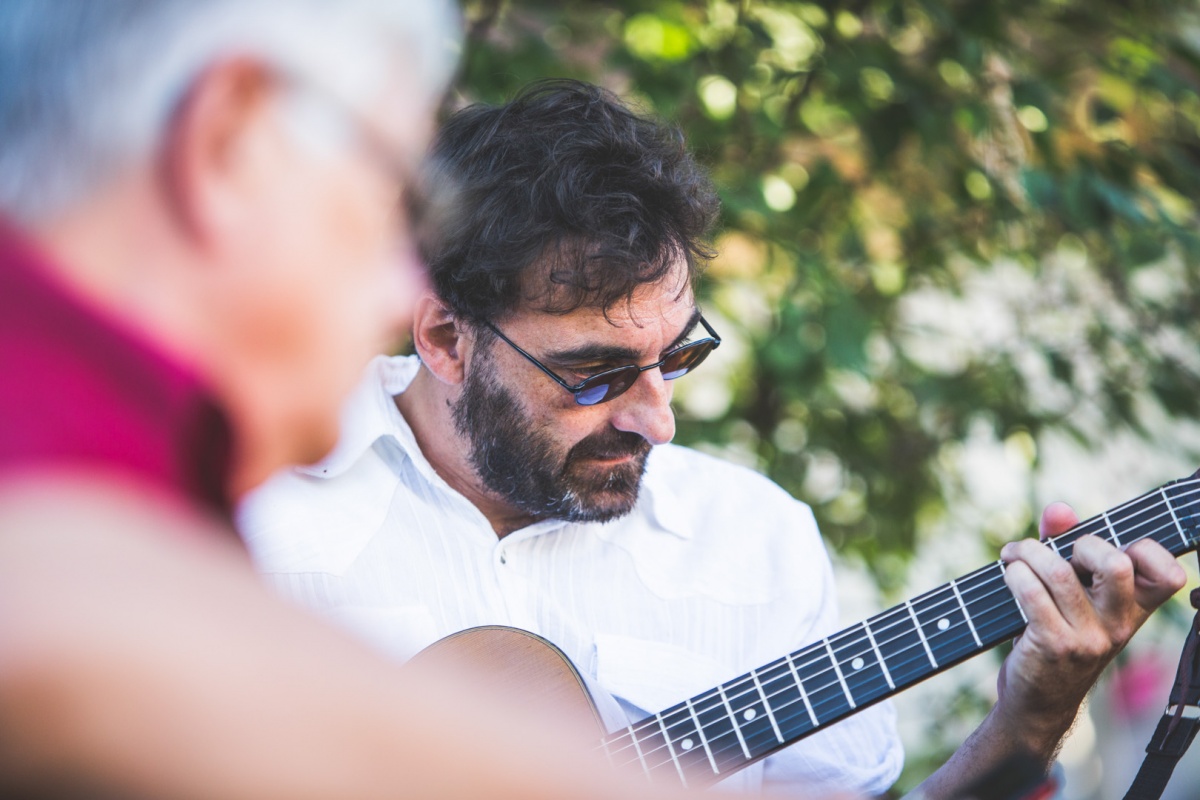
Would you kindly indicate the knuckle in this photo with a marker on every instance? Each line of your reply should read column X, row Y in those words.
column 1089, row 648
column 1100, row 646
column 1123, row 634
column 1120, row 566
column 1060, row 572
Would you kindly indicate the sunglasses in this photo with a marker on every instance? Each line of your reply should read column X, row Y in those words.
column 604, row 386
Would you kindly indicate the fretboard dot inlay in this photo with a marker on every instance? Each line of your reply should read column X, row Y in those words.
column 687, row 744
column 943, row 623
column 749, row 714
column 858, row 663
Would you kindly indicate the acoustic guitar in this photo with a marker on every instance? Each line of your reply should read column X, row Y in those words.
column 720, row 731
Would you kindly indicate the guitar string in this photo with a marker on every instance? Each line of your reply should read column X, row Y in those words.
column 1066, row 539
column 820, row 707
column 1077, row 532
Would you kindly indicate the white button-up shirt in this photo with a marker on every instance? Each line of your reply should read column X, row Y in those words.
column 715, row 571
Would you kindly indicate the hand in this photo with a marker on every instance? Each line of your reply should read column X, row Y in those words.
column 1081, row 614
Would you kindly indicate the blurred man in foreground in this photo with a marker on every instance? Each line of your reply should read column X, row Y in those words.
column 199, row 249
column 518, row 471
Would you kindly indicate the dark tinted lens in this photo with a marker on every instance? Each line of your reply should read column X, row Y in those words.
column 686, row 359
column 606, row 386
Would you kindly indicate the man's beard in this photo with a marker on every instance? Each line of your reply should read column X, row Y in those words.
column 520, row 464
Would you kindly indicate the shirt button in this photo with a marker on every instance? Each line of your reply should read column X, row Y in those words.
column 503, row 556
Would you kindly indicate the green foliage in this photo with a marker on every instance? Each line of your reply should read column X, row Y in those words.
column 891, row 172
column 870, row 152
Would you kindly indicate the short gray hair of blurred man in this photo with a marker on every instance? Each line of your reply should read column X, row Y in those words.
column 219, row 178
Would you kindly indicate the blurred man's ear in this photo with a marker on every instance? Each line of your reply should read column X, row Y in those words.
column 218, row 149
column 441, row 339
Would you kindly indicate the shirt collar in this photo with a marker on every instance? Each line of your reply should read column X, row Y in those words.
column 660, row 496
column 371, row 414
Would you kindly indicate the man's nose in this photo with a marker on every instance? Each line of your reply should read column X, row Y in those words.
column 645, row 409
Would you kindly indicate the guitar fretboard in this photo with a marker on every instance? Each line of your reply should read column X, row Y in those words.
column 714, row 734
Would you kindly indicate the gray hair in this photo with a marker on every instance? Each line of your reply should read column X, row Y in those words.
column 88, row 87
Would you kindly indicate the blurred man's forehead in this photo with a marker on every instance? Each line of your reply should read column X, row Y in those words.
column 402, row 113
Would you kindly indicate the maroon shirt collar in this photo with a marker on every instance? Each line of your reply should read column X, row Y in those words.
column 79, row 388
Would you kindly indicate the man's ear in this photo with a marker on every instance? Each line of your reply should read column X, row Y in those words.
column 441, row 339
column 214, row 148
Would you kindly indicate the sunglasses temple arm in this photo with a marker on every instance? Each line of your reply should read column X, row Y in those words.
column 531, row 359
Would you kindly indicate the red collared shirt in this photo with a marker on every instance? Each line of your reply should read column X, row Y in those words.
column 79, row 389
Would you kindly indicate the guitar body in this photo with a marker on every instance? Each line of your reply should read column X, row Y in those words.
column 521, row 666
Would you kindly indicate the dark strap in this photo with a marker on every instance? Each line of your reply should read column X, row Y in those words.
column 1179, row 723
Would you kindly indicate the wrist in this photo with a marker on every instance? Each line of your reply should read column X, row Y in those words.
column 1040, row 733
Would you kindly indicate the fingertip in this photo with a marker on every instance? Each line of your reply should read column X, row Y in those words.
column 1177, row 579
column 1058, row 517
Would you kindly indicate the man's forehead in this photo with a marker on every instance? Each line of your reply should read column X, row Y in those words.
column 544, row 292
column 575, row 273
column 645, row 315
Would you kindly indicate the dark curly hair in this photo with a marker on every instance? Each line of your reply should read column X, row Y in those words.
column 565, row 185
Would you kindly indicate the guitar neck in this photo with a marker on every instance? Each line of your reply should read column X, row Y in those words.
column 718, row 732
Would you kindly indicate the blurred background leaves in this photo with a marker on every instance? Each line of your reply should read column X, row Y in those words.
column 947, row 226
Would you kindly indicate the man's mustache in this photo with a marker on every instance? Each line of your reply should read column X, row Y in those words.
column 609, row 444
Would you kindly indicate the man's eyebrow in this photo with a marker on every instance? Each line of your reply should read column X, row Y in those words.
column 601, row 352
column 692, row 322
column 593, row 352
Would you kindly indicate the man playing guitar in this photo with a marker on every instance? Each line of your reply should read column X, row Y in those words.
column 517, row 471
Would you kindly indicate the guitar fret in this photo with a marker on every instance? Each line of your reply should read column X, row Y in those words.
column 856, row 663
column 887, row 674
column 702, row 737
column 1141, row 518
column 671, row 749
column 1004, row 570
column 637, row 748
column 943, row 623
column 684, row 730
column 921, row 633
column 966, row 613
column 900, row 642
column 803, row 693
column 718, row 731
column 779, row 684
column 766, row 705
column 1116, row 537
column 995, row 614
column 841, row 678
column 736, row 728
column 1054, row 545
column 604, row 745
column 1175, row 519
